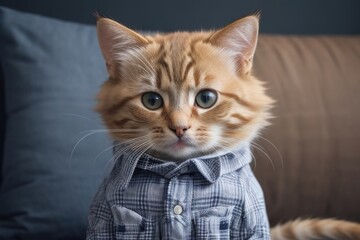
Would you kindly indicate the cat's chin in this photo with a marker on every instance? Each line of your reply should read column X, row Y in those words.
column 176, row 152
column 181, row 146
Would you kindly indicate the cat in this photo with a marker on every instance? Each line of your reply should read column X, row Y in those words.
column 181, row 96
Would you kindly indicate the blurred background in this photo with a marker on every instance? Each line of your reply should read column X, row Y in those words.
column 277, row 16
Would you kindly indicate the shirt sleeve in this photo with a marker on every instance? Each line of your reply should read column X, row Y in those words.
column 254, row 224
column 100, row 220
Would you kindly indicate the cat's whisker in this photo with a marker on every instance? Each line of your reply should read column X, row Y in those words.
column 112, row 130
column 146, row 149
column 263, row 151
column 106, row 149
column 112, row 160
column 89, row 133
column 94, row 131
column 150, row 150
column 133, row 139
column 77, row 143
column 138, row 150
column 215, row 150
column 277, row 150
column 115, row 156
column 257, row 147
column 135, row 143
column 254, row 158
column 126, row 146
column 229, row 149
column 137, row 147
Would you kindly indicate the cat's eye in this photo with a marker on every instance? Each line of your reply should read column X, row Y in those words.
column 206, row 98
column 152, row 100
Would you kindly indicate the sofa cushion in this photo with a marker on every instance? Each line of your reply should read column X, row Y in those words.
column 52, row 71
column 316, row 130
column 2, row 118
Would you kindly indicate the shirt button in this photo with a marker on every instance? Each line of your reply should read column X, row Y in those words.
column 178, row 209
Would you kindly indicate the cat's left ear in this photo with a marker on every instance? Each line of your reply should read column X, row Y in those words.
column 115, row 40
column 239, row 39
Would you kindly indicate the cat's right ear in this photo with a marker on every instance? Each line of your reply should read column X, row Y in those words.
column 115, row 40
column 239, row 39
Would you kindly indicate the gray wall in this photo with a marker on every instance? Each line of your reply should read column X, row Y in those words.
column 278, row 16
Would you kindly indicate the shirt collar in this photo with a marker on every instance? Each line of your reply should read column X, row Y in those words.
column 210, row 167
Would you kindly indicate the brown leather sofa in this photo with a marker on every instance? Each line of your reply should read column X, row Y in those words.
column 308, row 161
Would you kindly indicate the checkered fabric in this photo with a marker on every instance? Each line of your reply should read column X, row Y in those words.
column 214, row 197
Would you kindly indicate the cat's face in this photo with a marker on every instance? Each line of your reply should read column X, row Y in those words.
column 182, row 95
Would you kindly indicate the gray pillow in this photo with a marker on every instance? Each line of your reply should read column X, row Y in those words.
column 52, row 71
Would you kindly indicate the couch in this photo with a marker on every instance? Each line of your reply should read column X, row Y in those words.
column 54, row 152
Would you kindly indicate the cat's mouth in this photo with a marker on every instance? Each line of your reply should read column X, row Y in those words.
column 181, row 144
column 179, row 149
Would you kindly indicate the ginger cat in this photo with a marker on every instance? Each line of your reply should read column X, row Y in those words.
column 176, row 98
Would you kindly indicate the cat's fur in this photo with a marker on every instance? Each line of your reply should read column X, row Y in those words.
column 178, row 66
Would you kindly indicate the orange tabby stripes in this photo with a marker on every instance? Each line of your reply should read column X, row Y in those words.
column 316, row 229
column 176, row 67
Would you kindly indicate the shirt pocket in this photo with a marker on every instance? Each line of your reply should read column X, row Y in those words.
column 213, row 223
column 131, row 225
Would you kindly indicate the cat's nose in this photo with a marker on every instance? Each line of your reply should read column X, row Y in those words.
column 179, row 131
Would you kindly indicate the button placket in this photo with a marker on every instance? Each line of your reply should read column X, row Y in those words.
column 179, row 195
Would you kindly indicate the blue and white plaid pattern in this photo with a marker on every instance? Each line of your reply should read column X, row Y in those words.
column 202, row 198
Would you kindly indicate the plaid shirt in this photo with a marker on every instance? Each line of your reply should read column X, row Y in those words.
column 203, row 198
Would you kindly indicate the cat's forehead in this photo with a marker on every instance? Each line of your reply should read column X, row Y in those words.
column 177, row 63
column 177, row 59
column 179, row 45
column 178, row 41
